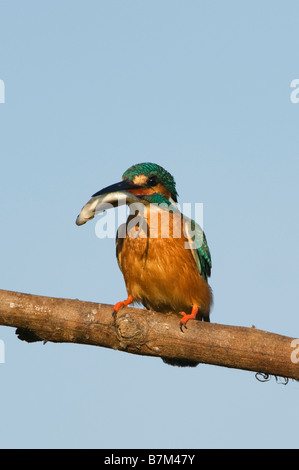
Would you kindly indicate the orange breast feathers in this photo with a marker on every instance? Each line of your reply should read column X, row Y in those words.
column 158, row 267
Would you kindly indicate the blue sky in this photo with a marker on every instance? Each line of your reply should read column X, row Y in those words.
column 203, row 89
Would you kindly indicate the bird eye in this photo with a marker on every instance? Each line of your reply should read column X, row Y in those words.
column 152, row 181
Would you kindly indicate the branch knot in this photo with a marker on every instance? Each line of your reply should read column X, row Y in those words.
column 130, row 332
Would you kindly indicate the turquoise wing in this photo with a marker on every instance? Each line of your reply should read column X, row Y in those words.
column 199, row 246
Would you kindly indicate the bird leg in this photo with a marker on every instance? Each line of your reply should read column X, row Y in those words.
column 121, row 304
column 187, row 317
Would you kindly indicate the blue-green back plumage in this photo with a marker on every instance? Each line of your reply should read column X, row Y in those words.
column 200, row 249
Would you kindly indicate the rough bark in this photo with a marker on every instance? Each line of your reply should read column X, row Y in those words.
column 143, row 332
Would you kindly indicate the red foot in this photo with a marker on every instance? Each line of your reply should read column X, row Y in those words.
column 187, row 317
column 122, row 304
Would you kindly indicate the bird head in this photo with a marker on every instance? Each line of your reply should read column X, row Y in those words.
column 143, row 182
column 150, row 180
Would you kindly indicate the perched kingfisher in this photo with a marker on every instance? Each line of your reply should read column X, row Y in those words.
column 163, row 255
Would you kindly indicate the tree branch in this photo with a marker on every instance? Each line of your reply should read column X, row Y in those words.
column 143, row 332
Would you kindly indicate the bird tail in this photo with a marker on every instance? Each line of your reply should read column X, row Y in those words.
column 179, row 362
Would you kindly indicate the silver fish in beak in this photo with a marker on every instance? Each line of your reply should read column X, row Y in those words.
column 113, row 196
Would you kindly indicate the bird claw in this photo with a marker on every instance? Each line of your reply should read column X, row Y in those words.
column 184, row 321
column 181, row 326
column 121, row 304
column 117, row 307
column 187, row 317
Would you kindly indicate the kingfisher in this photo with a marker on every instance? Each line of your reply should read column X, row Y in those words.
column 163, row 255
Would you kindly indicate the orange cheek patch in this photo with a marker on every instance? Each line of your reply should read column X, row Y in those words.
column 162, row 190
column 148, row 191
column 141, row 191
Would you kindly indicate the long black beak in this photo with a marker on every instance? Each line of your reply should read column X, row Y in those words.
column 124, row 185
